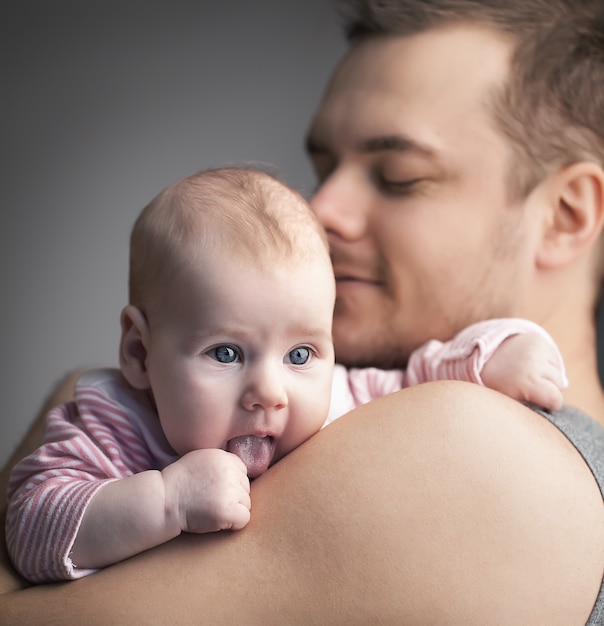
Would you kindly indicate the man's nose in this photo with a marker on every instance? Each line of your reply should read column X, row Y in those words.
column 342, row 205
column 265, row 388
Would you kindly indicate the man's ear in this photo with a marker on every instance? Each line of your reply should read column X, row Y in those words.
column 576, row 199
column 134, row 343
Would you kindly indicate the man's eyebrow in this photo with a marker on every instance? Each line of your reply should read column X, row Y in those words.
column 382, row 143
column 396, row 143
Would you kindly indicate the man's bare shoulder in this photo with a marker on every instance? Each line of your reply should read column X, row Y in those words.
column 443, row 503
column 502, row 493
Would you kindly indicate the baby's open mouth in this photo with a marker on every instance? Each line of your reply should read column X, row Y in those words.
column 256, row 452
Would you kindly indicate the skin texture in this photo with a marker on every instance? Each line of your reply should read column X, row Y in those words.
column 447, row 502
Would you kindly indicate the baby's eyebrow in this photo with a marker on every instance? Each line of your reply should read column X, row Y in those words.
column 237, row 334
column 309, row 332
column 220, row 331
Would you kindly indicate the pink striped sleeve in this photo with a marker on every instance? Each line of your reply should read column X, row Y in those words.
column 464, row 357
column 50, row 490
column 370, row 383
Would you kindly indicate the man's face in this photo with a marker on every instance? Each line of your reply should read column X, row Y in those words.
column 413, row 195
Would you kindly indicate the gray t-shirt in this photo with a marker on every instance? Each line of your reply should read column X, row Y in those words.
column 588, row 438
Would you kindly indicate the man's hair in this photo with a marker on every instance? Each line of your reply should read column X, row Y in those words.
column 240, row 214
column 552, row 106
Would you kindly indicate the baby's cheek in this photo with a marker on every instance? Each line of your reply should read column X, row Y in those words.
column 187, row 434
column 301, row 429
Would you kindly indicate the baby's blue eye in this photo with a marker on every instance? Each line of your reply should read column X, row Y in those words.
column 225, row 354
column 299, row 356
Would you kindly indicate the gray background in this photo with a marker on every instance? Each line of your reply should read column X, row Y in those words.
column 103, row 103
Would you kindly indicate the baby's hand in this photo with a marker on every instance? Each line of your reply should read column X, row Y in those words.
column 526, row 367
column 208, row 490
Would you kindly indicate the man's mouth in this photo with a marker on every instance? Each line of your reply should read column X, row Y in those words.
column 256, row 452
column 349, row 274
column 350, row 279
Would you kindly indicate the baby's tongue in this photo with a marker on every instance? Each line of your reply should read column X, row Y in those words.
column 255, row 452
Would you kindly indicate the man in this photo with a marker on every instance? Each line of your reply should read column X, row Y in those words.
column 444, row 204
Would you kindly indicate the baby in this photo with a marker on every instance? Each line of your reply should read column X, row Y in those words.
column 226, row 365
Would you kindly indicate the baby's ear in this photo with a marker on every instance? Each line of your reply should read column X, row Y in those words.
column 577, row 214
column 133, row 347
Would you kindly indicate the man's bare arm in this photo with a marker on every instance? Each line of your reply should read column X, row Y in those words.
column 445, row 502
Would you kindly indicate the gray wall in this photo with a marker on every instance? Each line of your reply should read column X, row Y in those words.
column 103, row 103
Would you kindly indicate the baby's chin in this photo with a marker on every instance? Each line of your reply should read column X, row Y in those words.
column 256, row 452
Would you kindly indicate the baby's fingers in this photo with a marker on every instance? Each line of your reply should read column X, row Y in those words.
column 241, row 516
column 546, row 393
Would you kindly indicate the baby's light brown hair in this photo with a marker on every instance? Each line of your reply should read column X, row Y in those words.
column 239, row 213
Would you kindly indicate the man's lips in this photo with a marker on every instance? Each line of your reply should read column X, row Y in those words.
column 350, row 273
column 355, row 274
column 351, row 279
column 343, row 278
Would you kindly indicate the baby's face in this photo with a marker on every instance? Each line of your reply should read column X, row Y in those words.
column 242, row 359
